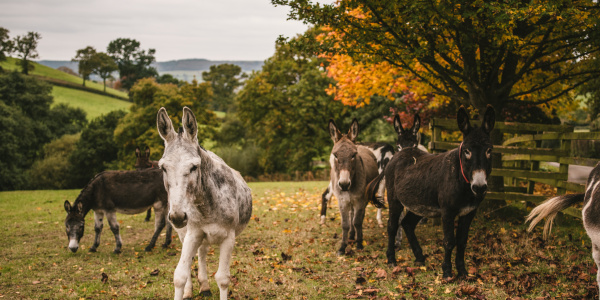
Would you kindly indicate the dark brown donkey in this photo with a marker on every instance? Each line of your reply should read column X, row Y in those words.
column 127, row 192
column 142, row 161
column 446, row 185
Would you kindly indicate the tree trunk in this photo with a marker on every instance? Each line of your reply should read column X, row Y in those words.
column 104, row 81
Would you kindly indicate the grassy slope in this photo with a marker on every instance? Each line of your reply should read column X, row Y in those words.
column 505, row 261
column 42, row 70
column 93, row 104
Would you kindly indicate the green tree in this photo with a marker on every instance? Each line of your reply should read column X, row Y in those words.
column 95, row 149
column 53, row 171
column 285, row 108
column 475, row 52
column 87, row 62
column 26, row 48
column 168, row 78
column 224, row 79
column 105, row 66
column 138, row 128
column 6, row 45
column 133, row 62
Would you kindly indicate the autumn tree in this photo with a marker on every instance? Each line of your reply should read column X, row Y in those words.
column 474, row 53
column 134, row 63
column 224, row 79
column 285, row 108
column 86, row 62
column 25, row 46
column 104, row 66
column 6, row 45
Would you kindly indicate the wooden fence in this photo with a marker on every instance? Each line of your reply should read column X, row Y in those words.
column 522, row 151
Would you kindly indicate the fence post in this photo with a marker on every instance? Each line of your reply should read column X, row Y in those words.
column 436, row 136
column 565, row 145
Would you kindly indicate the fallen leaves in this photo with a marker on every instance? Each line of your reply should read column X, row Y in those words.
column 104, row 278
column 154, row 273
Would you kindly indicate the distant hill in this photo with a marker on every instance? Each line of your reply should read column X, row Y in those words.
column 183, row 69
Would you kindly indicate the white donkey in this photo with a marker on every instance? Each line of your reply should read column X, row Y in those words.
column 207, row 198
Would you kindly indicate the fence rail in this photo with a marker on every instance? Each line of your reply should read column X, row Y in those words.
column 522, row 153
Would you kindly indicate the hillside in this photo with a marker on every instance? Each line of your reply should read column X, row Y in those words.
column 183, row 69
column 45, row 71
column 94, row 104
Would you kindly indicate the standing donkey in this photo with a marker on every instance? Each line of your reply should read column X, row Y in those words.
column 142, row 161
column 590, row 212
column 209, row 203
column 109, row 192
column 446, row 185
column 352, row 168
column 383, row 153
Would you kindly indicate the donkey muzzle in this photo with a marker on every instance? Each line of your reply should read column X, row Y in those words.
column 479, row 183
column 178, row 220
column 73, row 245
column 344, row 182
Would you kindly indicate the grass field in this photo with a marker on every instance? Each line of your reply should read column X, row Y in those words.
column 93, row 104
column 285, row 254
column 41, row 70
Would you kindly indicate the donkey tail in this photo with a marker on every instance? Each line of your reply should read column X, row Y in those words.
column 371, row 192
column 549, row 209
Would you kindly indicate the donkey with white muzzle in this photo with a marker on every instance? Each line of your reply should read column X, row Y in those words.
column 352, row 168
column 209, row 203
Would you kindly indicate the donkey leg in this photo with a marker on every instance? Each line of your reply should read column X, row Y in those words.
column 352, row 233
column 345, row 213
column 202, row 271
column 222, row 277
column 392, row 228
column 169, row 235
column 359, row 216
column 148, row 214
column 380, row 193
column 409, row 223
column 462, row 235
column 182, row 278
column 114, row 227
column 98, row 216
column 324, row 200
column 596, row 256
column 399, row 234
column 449, row 243
column 159, row 224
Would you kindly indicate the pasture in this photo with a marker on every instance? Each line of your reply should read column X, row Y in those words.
column 285, row 254
column 93, row 104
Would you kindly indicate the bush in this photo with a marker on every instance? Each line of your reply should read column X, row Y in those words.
column 52, row 171
column 245, row 160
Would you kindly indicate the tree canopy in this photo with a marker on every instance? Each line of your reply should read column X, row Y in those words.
column 25, row 46
column 224, row 79
column 475, row 53
column 6, row 45
column 86, row 62
column 134, row 63
column 104, row 66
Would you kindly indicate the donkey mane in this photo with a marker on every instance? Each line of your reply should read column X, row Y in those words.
column 85, row 193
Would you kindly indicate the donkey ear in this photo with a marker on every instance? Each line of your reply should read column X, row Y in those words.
column 489, row 119
column 462, row 118
column 398, row 125
column 165, row 126
column 190, row 127
column 353, row 132
column 416, row 125
column 137, row 152
column 67, row 206
column 79, row 207
column 147, row 152
column 334, row 132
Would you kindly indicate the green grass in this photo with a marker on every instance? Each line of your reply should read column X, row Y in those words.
column 41, row 70
column 93, row 104
column 505, row 262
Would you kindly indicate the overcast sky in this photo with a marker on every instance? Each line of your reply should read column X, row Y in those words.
column 177, row 29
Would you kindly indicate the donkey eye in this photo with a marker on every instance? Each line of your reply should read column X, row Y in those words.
column 163, row 169
column 467, row 154
column 488, row 153
column 194, row 168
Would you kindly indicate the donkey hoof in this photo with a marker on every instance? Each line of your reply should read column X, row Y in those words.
column 419, row 263
column 359, row 246
column 341, row 252
column 93, row 250
column 165, row 246
column 148, row 249
column 117, row 251
column 206, row 293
